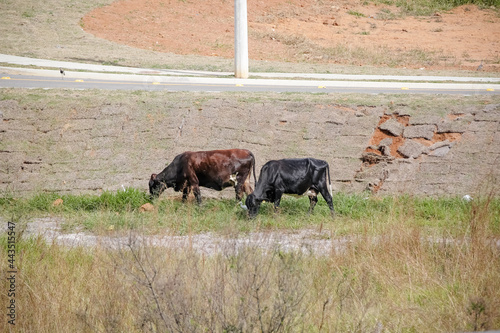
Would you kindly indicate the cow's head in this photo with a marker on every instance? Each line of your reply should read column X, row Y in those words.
column 253, row 205
column 156, row 187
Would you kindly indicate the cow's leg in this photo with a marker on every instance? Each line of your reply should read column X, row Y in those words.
column 247, row 188
column 185, row 193
column 242, row 186
column 238, row 191
column 328, row 198
column 313, row 199
column 277, row 199
column 193, row 182
column 197, row 193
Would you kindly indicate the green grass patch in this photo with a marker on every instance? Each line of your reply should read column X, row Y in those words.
column 355, row 213
column 355, row 13
column 119, row 201
column 429, row 7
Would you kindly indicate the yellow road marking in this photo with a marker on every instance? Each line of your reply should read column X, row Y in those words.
column 197, row 85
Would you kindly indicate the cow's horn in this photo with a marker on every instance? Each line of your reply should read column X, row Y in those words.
column 243, row 206
column 153, row 176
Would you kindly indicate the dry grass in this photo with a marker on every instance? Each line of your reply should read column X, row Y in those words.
column 396, row 281
column 52, row 30
column 303, row 50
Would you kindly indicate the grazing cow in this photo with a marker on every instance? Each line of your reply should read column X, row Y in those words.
column 216, row 169
column 291, row 176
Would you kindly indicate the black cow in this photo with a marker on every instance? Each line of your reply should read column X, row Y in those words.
column 216, row 169
column 291, row 176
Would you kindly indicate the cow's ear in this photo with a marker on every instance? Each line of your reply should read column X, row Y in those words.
column 153, row 176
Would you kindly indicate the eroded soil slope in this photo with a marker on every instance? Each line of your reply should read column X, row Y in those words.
column 307, row 30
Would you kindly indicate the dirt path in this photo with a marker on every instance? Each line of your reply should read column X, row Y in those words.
column 307, row 31
column 307, row 241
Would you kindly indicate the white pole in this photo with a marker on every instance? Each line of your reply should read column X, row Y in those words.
column 240, row 39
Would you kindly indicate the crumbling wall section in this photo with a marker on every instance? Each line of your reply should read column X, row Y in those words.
column 428, row 154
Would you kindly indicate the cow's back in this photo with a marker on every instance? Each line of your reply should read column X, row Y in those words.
column 218, row 160
column 214, row 168
column 288, row 168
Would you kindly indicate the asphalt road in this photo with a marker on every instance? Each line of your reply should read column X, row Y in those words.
column 87, row 76
column 250, row 85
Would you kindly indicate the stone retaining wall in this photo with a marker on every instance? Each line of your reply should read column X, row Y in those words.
column 74, row 142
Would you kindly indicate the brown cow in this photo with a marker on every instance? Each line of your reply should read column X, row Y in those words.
column 216, row 169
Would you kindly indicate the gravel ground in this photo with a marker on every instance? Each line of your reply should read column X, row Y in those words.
column 308, row 241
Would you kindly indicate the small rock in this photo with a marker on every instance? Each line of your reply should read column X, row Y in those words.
column 57, row 202
column 424, row 120
column 372, row 158
column 420, row 131
column 385, row 150
column 440, row 152
column 439, row 149
column 440, row 144
column 467, row 197
column 393, row 127
column 492, row 108
column 147, row 207
column 452, row 127
column 411, row 149
column 386, row 142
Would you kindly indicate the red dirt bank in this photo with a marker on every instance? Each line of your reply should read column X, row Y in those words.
column 306, row 30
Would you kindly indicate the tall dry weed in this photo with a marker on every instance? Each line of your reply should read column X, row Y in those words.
column 242, row 290
column 483, row 301
column 398, row 280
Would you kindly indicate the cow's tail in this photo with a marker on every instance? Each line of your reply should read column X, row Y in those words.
column 329, row 180
column 253, row 167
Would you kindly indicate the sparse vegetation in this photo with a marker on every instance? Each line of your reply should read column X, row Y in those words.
column 386, row 14
column 355, row 13
column 390, row 266
column 429, row 7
